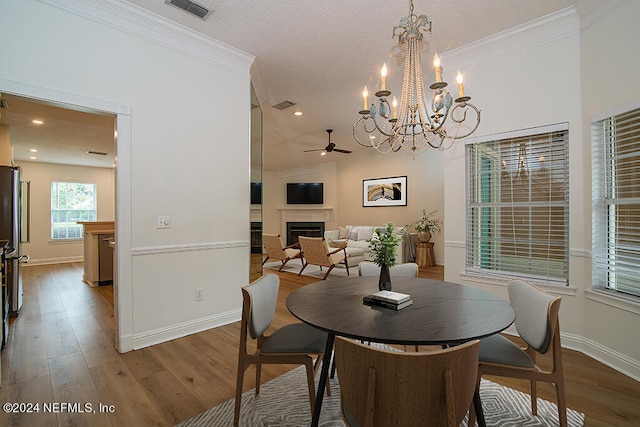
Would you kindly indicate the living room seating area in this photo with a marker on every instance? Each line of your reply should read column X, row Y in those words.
column 354, row 239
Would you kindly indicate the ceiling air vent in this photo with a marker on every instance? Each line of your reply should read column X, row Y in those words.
column 97, row 153
column 190, row 7
column 283, row 105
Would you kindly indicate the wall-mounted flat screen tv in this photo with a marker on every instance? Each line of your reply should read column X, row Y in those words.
column 256, row 193
column 305, row 193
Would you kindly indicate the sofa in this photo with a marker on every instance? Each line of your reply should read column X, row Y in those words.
column 357, row 248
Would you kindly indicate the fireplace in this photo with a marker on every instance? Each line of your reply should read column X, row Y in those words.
column 308, row 229
column 256, row 237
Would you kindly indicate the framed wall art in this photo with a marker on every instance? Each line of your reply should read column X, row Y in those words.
column 384, row 192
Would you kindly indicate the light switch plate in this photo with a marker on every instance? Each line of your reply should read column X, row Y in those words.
column 163, row 221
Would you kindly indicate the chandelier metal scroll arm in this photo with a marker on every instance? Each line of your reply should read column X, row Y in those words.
column 465, row 106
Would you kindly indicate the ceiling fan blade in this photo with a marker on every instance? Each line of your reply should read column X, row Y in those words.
column 338, row 150
column 318, row 149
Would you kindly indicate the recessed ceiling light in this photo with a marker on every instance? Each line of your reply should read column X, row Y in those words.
column 37, row 122
column 32, row 157
column 297, row 113
column 33, row 150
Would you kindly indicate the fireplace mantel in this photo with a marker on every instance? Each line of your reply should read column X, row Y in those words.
column 306, row 214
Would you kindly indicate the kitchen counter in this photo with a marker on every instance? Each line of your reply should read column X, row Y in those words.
column 94, row 232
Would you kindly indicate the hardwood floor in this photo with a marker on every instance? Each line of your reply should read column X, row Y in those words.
column 61, row 350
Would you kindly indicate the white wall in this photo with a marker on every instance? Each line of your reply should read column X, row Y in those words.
column 425, row 189
column 610, row 67
column 274, row 196
column 169, row 156
column 41, row 249
column 532, row 78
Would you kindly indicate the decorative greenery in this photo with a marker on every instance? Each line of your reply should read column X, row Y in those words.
column 427, row 222
column 383, row 244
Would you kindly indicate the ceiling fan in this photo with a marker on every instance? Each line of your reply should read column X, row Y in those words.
column 330, row 147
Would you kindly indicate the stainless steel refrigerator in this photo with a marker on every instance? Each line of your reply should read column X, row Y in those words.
column 14, row 216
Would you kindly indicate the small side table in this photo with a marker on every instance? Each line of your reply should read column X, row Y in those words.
column 424, row 254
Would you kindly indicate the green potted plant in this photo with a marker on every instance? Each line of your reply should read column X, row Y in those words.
column 426, row 225
column 384, row 245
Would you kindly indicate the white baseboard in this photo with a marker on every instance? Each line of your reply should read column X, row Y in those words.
column 146, row 339
column 609, row 357
column 613, row 359
column 45, row 261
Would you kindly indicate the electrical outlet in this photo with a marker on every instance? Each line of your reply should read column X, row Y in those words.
column 199, row 294
column 163, row 221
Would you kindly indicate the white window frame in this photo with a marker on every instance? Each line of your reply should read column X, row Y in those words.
column 615, row 166
column 484, row 240
column 79, row 216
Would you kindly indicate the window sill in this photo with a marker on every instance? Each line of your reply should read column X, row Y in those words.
column 497, row 281
column 613, row 300
column 64, row 241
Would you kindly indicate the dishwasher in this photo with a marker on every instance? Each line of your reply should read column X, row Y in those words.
column 105, row 259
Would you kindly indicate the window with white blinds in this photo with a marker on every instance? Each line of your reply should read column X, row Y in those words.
column 616, row 203
column 518, row 204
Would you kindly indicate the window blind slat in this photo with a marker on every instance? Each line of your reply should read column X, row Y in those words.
column 517, row 205
column 616, row 203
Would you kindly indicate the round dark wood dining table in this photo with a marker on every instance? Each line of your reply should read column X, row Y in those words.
column 442, row 313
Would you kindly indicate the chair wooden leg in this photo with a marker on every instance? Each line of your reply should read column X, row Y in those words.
column 283, row 263
column 311, row 382
column 562, row 405
column 258, row 372
column 329, row 271
column 534, row 398
column 265, row 260
column 303, row 267
column 239, row 384
column 315, row 370
column 346, row 265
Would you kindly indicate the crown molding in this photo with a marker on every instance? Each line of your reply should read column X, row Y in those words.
column 139, row 22
column 592, row 11
column 547, row 29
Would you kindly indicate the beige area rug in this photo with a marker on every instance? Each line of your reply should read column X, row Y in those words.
column 284, row 402
column 294, row 266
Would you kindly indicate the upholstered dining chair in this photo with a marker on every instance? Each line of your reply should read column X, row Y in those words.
column 538, row 325
column 274, row 248
column 390, row 388
column 291, row 344
column 408, row 269
column 315, row 251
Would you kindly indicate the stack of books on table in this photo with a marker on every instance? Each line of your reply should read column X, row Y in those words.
column 388, row 299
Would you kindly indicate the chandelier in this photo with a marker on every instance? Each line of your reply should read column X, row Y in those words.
column 415, row 125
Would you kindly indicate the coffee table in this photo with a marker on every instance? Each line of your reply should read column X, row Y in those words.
column 441, row 313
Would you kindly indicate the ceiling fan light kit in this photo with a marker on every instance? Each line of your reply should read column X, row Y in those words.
column 414, row 125
column 331, row 147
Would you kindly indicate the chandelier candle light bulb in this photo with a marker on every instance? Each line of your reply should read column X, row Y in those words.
column 383, row 77
column 395, row 107
column 365, row 94
column 460, row 85
column 437, row 67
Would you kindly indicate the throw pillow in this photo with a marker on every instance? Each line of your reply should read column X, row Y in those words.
column 352, row 234
column 365, row 233
column 338, row 243
column 342, row 232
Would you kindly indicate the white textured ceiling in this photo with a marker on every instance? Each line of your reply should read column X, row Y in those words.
column 319, row 55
